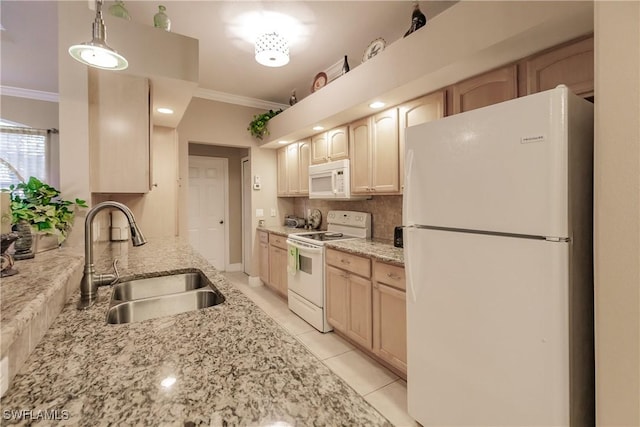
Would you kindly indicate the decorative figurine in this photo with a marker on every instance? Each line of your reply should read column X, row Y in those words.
column 6, row 259
column 345, row 66
column 417, row 20
column 293, row 99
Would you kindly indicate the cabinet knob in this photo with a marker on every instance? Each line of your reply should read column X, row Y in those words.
column 393, row 276
column 221, row 221
column 345, row 261
column 345, row 275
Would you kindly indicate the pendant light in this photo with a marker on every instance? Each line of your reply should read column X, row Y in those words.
column 97, row 53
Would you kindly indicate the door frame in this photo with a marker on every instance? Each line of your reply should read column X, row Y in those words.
column 225, row 173
column 246, row 209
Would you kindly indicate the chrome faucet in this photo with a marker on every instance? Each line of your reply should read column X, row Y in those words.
column 91, row 280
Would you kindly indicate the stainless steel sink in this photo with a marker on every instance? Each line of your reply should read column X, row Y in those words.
column 149, row 298
column 157, row 286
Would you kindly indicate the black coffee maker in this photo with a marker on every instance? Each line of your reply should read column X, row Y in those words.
column 397, row 237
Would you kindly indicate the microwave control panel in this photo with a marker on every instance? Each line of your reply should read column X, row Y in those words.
column 339, row 182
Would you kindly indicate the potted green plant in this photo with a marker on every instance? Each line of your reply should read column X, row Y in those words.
column 43, row 208
column 258, row 126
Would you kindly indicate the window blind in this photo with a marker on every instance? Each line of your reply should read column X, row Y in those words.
column 23, row 153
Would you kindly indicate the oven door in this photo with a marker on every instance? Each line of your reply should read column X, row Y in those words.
column 308, row 279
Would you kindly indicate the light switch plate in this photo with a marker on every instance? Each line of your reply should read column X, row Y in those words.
column 259, row 213
column 273, row 211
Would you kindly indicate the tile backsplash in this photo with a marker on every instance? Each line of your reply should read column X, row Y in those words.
column 386, row 212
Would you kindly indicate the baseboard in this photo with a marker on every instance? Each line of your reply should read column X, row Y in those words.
column 254, row 281
column 234, row 267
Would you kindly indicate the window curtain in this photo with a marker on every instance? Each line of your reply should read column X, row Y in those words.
column 23, row 153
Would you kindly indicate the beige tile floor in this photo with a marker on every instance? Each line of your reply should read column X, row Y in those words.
column 384, row 390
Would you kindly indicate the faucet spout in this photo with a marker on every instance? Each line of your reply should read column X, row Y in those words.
column 91, row 280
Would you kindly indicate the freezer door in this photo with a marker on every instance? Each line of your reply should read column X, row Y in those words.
column 487, row 330
column 501, row 168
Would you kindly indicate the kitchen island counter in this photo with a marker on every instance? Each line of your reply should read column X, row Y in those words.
column 228, row 364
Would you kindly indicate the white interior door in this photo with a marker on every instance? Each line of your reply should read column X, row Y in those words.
column 207, row 208
column 246, row 215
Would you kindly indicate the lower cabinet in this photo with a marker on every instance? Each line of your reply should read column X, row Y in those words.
column 367, row 305
column 263, row 254
column 278, row 264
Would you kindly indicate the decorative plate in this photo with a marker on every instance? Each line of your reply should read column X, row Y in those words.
column 375, row 47
column 319, row 81
column 315, row 219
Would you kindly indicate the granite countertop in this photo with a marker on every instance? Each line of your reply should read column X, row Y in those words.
column 381, row 250
column 282, row 230
column 232, row 363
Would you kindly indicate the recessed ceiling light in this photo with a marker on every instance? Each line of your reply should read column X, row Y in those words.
column 283, row 142
column 318, row 128
column 168, row 382
column 377, row 104
column 164, row 110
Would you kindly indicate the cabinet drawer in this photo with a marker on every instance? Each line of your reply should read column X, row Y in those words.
column 388, row 274
column 264, row 237
column 352, row 263
column 279, row 241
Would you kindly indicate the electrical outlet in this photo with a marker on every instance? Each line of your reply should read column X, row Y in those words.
column 273, row 211
column 259, row 213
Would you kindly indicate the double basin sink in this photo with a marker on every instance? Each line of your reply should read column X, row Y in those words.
column 167, row 295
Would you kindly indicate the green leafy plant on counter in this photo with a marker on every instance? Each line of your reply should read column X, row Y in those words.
column 42, row 206
column 258, row 127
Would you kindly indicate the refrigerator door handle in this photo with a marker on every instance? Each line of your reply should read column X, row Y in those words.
column 407, row 262
column 407, row 186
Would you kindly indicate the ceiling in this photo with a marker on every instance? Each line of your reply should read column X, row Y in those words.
column 322, row 32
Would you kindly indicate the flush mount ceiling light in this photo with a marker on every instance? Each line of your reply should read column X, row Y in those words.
column 377, row 104
column 317, row 128
column 272, row 50
column 97, row 53
column 164, row 110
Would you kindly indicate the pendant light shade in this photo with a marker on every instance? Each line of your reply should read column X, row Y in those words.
column 272, row 50
column 97, row 53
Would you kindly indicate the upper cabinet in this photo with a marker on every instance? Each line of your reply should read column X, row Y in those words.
column 417, row 112
column 119, row 129
column 571, row 65
column 375, row 154
column 293, row 169
column 486, row 89
column 329, row 146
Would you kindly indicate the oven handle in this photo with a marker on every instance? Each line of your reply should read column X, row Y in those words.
column 305, row 248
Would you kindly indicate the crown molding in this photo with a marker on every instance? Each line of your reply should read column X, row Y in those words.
column 230, row 98
column 19, row 92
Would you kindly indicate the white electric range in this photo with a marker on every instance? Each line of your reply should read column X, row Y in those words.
column 306, row 281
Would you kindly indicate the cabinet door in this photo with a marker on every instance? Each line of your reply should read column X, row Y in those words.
column 416, row 112
column 384, row 152
column 390, row 325
column 264, row 262
column 304, row 159
column 571, row 65
column 293, row 177
column 278, row 269
column 360, row 156
column 282, row 172
column 338, row 143
column 359, row 326
column 337, row 283
column 319, row 152
column 486, row 89
column 119, row 132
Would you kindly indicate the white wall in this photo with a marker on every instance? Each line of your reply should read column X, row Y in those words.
column 617, row 212
column 217, row 123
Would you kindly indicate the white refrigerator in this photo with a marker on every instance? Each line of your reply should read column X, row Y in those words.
column 497, row 211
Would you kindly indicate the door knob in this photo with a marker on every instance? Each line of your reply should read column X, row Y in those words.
column 221, row 221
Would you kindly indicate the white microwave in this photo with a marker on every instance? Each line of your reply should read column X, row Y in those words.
column 331, row 181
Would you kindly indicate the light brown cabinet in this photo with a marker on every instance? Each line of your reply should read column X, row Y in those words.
column 422, row 110
column 293, row 169
column 349, row 308
column 375, row 154
column 571, row 65
column 329, row 146
column 119, row 132
column 486, row 89
column 263, row 254
column 389, row 315
column 278, row 264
